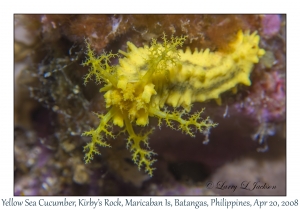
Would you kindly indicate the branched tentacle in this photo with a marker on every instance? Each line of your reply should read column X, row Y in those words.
column 185, row 125
column 140, row 156
column 97, row 136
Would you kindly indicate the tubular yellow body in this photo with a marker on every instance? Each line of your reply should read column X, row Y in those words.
column 149, row 78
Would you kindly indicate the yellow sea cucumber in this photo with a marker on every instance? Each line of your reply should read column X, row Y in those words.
column 150, row 77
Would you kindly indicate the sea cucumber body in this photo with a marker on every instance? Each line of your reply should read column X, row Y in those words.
column 197, row 76
column 150, row 77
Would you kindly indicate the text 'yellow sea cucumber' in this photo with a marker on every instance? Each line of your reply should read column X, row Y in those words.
column 150, row 78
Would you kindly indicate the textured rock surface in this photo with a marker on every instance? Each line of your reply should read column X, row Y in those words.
column 53, row 107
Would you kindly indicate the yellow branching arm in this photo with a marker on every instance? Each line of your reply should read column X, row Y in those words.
column 185, row 126
column 97, row 136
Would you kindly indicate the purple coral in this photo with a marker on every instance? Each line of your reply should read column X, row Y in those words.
column 267, row 99
column 271, row 25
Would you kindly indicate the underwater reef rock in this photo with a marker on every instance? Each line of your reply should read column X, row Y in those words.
column 53, row 107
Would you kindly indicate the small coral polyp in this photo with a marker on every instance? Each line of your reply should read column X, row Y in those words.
column 148, row 79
